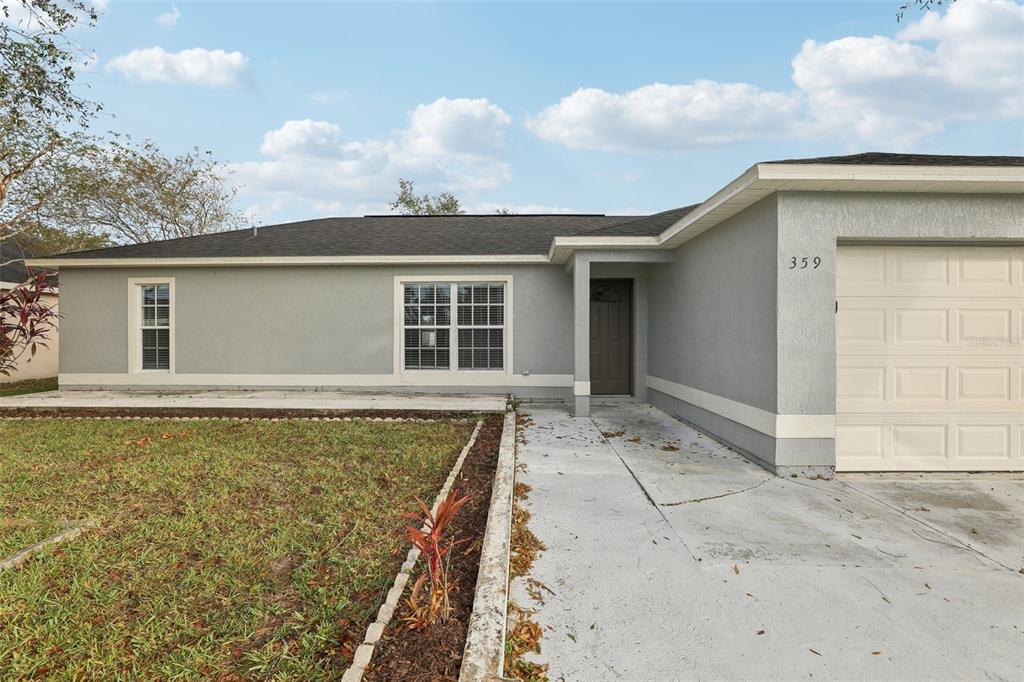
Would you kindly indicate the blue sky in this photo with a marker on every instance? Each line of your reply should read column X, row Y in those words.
column 319, row 107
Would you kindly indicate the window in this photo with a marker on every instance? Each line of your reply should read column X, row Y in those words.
column 155, row 327
column 481, row 321
column 442, row 320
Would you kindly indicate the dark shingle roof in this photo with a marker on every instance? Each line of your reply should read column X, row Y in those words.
column 886, row 159
column 15, row 272
column 376, row 236
column 473, row 235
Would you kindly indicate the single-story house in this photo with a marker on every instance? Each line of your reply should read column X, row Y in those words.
column 43, row 364
column 856, row 312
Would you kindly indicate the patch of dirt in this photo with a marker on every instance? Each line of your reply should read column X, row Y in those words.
column 436, row 653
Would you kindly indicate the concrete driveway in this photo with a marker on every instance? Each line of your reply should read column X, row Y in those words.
column 672, row 557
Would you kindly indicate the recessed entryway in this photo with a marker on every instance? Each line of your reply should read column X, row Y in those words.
column 611, row 337
column 930, row 359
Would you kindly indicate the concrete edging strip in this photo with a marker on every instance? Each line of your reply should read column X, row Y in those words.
column 23, row 555
column 364, row 652
column 484, row 656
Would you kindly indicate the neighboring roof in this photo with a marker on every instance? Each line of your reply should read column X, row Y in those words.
column 886, row 159
column 13, row 273
column 375, row 236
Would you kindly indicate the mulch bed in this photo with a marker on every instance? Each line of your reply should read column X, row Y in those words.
column 436, row 654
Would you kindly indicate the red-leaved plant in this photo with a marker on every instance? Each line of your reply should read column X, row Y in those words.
column 25, row 321
column 437, row 550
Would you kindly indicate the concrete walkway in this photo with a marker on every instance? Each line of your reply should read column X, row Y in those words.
column 671, row 557
column 273, row 400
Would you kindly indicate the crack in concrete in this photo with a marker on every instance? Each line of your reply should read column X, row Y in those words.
column 715, row 497
column 647, row 494
column 960, row 544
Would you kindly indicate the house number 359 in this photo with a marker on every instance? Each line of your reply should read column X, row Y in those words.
column 803, row 262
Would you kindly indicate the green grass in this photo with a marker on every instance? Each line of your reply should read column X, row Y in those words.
column 225, row 549
column 28, row 386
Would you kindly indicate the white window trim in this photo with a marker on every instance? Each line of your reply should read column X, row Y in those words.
column 453, row 370
column 135, row 285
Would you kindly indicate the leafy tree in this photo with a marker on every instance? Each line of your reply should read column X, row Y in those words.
column 408, row 203
column 41, row 117
column 41, row 121
column 134, row 193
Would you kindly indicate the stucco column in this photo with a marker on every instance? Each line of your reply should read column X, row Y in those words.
column 581, row 336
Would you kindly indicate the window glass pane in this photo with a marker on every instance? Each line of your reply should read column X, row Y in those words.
column 443, row 338
column 148, row 316
column 444, row 315
column 465, row 338
column 163, row 338
column 495, row 340
column 480, row 315
column 427, row 359
column 412, row 358
column 465, row 293
column 479, row 358
column 497, row 294
column 480, row 293
column 426, row 315
column 148, row 295
column 465, row 315
column 465, row 358
column 428, row 338
column 163, row 294
column 411, row 294
column 444, row 293
column 495, row 357
column 163, row 358
column 149, row 358
column 442, row 359
column 149, row 338
column 412, row 338
column 497, row 314
column 412, row 314
column 163, row 316
column 427, row 294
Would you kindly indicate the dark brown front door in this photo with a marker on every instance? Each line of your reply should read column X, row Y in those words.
column 611, row 340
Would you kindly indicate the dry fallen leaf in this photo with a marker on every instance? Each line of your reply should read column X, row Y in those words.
column 876, row 653
column 735, row 569
column 814, row 652
column 760, row 632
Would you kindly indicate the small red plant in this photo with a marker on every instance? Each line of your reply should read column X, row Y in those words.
column 25, row 321
column 430, row 539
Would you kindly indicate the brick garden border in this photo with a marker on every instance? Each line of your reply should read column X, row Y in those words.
column 364, row 652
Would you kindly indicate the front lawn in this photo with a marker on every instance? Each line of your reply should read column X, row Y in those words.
column 28, row 386
column 224, row 549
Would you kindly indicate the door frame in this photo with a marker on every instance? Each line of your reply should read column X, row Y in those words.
column 631, row 302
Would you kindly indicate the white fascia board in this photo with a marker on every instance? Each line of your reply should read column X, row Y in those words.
column 874, row 173
column 563, row 247
column 238, row 261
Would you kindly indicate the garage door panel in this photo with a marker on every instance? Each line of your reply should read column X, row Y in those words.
column 929, row 358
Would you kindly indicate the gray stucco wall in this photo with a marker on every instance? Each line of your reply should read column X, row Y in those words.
column 813, row 223
column 296, row 320
column 729, row 316
column 712, row 311
column 712, row 324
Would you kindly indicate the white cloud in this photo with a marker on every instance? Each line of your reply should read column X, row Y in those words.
column 169, row 19
column 662, row 117
column 961, row 65
column 197, row 66
column 448, row 145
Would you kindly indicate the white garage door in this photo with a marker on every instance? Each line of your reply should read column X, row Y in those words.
column 930, row 358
